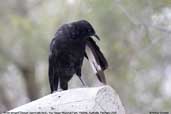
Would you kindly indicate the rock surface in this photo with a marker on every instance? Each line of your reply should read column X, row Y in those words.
column 96, row 99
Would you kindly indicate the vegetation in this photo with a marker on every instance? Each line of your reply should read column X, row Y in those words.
column 135, row 38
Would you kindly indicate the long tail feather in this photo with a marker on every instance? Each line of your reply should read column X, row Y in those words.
column 96, row 59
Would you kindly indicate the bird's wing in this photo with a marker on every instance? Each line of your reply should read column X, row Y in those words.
column 96, row 59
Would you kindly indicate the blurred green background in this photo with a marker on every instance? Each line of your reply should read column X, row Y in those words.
column 135, row 38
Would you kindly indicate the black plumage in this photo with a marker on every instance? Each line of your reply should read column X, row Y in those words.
column 67, row 51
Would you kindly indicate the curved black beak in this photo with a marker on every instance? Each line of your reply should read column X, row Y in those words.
column 96, row 36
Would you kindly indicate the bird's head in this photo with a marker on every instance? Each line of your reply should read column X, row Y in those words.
column 83, row 29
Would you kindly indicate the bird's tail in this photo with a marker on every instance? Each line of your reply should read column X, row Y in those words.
column 96, row 59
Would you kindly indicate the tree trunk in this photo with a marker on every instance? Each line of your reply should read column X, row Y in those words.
column 32, row 87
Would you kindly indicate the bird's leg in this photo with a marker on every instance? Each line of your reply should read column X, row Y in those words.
column 82, row 81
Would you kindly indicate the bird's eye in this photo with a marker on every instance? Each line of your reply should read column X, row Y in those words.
column 89, row 30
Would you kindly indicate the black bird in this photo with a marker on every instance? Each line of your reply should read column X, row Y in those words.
column 67, row 51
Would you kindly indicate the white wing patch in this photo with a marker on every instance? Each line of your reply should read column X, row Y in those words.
column 95, row 66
